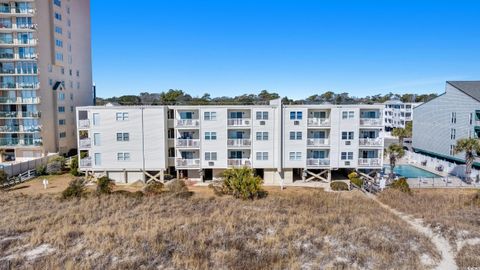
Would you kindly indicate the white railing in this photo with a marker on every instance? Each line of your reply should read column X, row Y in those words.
column 370, row 162
column 239, row 142
column 188, row 163
column 371, row 142
column 188, row 123
column 239, row 122
column 86, row 162
column 85, row 143
column 187, row 143
column 317, row 142
column 84, row 123
column 239, row 162
column 318, row 162
column 371, row 122
column 318, row 122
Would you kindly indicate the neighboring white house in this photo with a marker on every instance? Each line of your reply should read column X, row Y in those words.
column 439, row 123
column 397, row 114
column 200, row 142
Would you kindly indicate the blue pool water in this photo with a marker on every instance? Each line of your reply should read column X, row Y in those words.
column 410, row 171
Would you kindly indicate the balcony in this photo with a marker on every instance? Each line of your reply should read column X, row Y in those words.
column 371, row 122
column 188, row 163
column 25, row 11
column 371, row 142
column 318, row 142
column 318, row 162
column 239, row 142
column 239, row 162
column 19, row 100
column 187, row 143
column 20, row 142
column 188, row 123
column 84, row 123
column 370, row 162
column 25, row 129
column 318, row 122
column 86, row 162
column 85, row 143
column 239, row 122
column 19, row 114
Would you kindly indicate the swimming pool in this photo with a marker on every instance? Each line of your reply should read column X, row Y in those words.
column 410, row 171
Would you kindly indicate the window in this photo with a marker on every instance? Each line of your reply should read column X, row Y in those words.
column 58, row 3
column 61, row 96
column 78, row 73
column 348, row 114
column 210, row 116
column 452, row 150
column 296, row 115
column 471, row 118
column 123, row 137
column 454, row 118
column 347, row 155
column 59, row 56
column 295, row 135
column 59, row 43
column 96, row 139
column 58, row 30
column 262, row 115
column 347, row 135
column 63, row 134
column 98, row 159
column 295, row 156
column 210, row 136
column 62, row 122
column 210, row 156
column 453, row 134
column 262, row 136
column 123, row 156
column 61, row 109
column 58, row 16
column 96, row 119
column 262, row 155
column 122, row 116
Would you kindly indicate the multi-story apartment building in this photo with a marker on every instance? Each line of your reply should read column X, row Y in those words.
column 397, row 114
column 439, row 123
column 45, row 72
column 200, row 142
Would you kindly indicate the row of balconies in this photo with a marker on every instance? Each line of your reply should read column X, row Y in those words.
column 22, row 11
column 19, row 86
column 17, row 57
column 20, row 114
column 19, row 100
column 20, row 142
column 17, row 27
column 24, row 129
column 18, row 72
column 20, row 42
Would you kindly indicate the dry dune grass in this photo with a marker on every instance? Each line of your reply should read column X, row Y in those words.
column 453, row 213
column 283, row 231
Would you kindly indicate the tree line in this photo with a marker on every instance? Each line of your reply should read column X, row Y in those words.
column 179, row 97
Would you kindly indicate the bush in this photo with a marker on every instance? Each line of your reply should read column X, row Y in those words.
column 339, row 186
column 168, row 177
column 74, row 166
column 354, row 179
column 136, row 194
column 153, row 188
column 105, row 185
column 240, row 183
column 401, row 185
column 177, row 186
column 41, row 170
column 75, row 189
column 3, row 178
column 55, row 165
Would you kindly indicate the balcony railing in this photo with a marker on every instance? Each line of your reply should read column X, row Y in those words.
column 317, row 142
column 20, row 129
column 84, row 123
column 318, row 122
column 239, row 142
column 187, row 143
column 188, row 123
column 86, row 162
column 370, row 142
column 19, row 100
column 19, row 114
column 370, row 162
column 25, row 10
column 371, row 122
column 239, row 162
column 239, row 122
column 188, row 163
column 318, row 162
column 20, row 142
column 85, row 143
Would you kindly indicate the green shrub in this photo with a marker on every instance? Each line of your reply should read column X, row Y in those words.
column 339, row 186
column 105, row 185
column 74, row 166
column 352, row 175
column 153, row 188
column 3, row 178
column 168, row 177
column 75, row 189
column 357, row 182
column 41, row 170
column 240, row 183
column 55, row 165
column 401, row 185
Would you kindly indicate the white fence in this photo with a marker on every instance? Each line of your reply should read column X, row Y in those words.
column 16, row 169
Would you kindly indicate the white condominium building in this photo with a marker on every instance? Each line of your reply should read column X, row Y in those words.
column 454, row 115
column 398, row 113
column 45, row 72
column 199, row 142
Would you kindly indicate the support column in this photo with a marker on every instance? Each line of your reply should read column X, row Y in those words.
column 162, row 176
column 329, row 176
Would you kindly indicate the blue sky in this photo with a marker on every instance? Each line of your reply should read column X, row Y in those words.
column 296, row 48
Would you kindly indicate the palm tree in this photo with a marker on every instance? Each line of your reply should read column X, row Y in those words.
column 401, row 133
column 394, row 153
column 471, row 147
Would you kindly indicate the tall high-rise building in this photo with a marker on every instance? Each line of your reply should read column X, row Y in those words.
column 45, row 72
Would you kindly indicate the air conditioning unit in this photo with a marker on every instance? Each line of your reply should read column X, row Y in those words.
column 296, row 123
column 347, row 163
column 211, row 163
column 262, row 123
column 348, row 143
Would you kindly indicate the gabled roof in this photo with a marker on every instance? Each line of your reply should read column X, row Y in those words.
column 470, row 88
